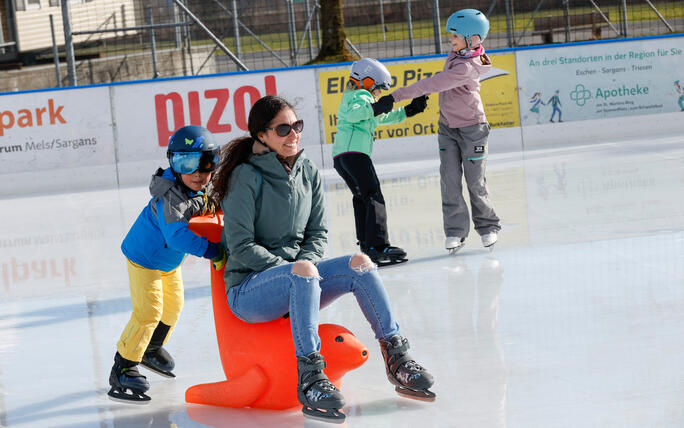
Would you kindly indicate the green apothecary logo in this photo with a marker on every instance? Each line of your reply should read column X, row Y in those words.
column 622, row 91
column 580, row 95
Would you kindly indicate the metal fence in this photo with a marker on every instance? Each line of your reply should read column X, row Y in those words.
column 119, row 40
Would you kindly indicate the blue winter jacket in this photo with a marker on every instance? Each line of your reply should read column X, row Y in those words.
column 159, row 239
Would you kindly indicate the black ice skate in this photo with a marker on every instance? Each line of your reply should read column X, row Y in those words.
column 128, row 385
column 386, row 256
column 157, row 358
column 409, row 378
column 159, row 361
column 320, row 399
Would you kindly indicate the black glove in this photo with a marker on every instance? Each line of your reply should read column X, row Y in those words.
column 217, row 254
column 384, row 105
column 416, row 106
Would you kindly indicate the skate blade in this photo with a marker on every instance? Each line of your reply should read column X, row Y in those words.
column 334, row 416
column 453, row 251
column 422, row 395
column 159, row 372
column 132, row 398
column 391, row 263
column 491, row 247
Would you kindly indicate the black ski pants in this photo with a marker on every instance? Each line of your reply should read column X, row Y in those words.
column 370, row 215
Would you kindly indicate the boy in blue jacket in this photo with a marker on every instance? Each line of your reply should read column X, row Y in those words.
column 155, row 247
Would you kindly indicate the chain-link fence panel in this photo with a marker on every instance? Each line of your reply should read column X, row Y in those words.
column 192, row 37
column 395, row 28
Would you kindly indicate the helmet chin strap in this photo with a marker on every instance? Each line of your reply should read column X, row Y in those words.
column 470, row 51
column 472, row 46
column 469, row 45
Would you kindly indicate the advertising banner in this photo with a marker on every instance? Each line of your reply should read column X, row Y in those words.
column 55, row 130
column 498, row 96
column 148, row 113
column 498, row 92
column 596, row 81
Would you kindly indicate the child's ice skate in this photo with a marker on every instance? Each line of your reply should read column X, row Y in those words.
column 159, row 361
column 454, row 243
column 156, row 358
column 409, row 378
column 127, row 384
column 489, row 239
column 386, row 256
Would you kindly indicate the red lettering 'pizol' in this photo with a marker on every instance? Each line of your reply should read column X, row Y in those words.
column 170, row 109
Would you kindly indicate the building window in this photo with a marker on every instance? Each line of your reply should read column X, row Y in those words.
column 27, row 4
column 59, row 3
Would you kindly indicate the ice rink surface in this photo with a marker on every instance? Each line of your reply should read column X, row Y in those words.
column 575, row 320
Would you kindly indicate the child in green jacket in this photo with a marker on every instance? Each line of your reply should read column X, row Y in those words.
column 357, row 118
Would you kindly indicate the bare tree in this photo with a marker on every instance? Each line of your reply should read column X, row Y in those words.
column 333, row 46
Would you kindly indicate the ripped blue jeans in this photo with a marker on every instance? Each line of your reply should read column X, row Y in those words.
column 268, row 295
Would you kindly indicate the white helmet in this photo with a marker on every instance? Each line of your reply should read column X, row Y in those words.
column 369, row 73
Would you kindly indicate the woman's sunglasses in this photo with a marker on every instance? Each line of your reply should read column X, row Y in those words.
column 283, row 130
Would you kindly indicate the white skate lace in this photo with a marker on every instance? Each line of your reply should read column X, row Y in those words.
column 325, row 385
column 412, row 366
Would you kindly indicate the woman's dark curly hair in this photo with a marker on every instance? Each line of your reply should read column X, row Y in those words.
column 240, row 149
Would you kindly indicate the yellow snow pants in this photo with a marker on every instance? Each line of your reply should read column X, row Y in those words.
column 156, row 296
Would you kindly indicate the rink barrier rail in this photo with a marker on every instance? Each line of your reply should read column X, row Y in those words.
column 111, row 135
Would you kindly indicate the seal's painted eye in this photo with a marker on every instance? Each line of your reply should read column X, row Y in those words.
column 339, row 339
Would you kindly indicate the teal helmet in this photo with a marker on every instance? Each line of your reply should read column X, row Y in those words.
column 192, row 148
column 468, row 23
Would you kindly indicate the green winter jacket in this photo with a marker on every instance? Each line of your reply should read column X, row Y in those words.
column 356, row 123
column 271, row 217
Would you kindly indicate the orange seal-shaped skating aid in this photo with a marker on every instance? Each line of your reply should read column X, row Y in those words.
column 259, row 358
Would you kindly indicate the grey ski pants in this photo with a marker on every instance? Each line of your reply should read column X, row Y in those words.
column 463, row 152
